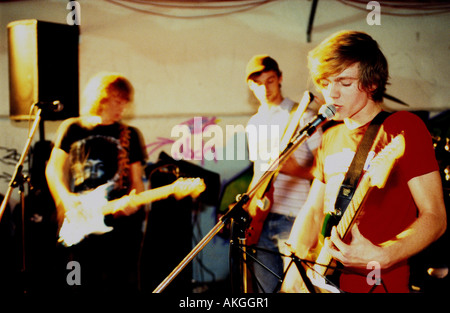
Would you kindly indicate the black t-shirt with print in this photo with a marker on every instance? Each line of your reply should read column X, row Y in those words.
column 96, row 152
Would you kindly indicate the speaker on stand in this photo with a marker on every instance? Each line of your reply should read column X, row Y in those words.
column 43, row 71
column 43, row 67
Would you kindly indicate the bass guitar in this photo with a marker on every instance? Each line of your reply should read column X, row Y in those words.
column 88, row 216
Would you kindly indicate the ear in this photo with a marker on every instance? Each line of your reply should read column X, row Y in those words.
column 371, row 90
column 368, row 90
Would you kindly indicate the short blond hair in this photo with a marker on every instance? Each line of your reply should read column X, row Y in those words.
column 99, row 89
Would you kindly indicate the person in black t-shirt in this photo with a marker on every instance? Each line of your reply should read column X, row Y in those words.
column 98, row 152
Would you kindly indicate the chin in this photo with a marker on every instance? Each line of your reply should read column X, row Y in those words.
column 338, row 118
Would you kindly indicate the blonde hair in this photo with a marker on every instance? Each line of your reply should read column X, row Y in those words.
column 345, row 48
column 100, row 88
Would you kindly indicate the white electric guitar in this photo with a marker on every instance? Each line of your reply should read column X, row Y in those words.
column 88, row 217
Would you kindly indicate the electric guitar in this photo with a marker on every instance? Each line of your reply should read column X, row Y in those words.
column 375, row 176
column 88, row 217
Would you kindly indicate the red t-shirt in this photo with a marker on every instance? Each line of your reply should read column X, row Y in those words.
column 387, row 211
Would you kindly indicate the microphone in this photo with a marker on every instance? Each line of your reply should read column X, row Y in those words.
column 325, row 112
column 55, row 106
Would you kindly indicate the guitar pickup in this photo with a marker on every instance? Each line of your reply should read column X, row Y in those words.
column 343, row 199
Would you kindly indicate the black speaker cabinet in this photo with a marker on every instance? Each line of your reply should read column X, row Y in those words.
column 43, row 67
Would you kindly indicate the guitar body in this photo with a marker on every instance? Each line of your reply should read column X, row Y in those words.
column 258, row 210
column 89, row 218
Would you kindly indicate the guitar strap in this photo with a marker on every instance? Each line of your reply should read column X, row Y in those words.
column 124, row 158
column 351, row 179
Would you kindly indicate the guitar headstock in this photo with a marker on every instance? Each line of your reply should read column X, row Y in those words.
column 184, row 187
column 382, row 163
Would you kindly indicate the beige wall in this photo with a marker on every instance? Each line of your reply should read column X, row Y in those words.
column 187, row 67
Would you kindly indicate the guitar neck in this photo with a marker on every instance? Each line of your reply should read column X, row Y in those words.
column 353, row 208
column 324, row 260
column 139, row 199
column 155, row 194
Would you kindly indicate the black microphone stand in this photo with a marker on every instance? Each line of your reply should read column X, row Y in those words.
column 237, row 212
column 18, row 180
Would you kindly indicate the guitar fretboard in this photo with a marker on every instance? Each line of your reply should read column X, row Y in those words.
column 324, row 260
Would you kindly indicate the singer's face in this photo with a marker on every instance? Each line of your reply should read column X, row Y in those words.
column 266, row 87
column 344, row 92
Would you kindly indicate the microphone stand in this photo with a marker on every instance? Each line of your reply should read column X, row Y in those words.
column 19, row 180
column 237, row 212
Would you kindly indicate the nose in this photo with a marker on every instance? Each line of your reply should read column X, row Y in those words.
column 333, row 90
column 121, row 104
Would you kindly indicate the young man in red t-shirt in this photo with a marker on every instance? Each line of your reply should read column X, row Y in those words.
column 396, row 221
